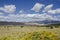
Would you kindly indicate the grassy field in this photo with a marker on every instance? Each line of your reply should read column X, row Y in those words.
column 29, row 33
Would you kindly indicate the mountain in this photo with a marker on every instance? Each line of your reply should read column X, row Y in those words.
column 45, row 22
column 11, row 23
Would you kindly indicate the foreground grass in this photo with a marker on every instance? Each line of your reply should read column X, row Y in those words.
column 28, row 33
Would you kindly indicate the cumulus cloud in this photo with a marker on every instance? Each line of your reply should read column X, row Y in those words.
column 37, row 7
column 1, row 13
column 25, row 17
column 8, row 8
column 1, row 17
column 56, row 11
column 28, row 17
column 48, row 7
column 21, row 11
column 40, row 17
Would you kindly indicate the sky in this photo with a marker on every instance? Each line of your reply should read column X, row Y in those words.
column 29, row 10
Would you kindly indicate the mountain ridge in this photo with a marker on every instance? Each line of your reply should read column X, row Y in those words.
column 45, row 22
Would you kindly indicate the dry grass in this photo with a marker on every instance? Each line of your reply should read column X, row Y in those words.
column 16, row 31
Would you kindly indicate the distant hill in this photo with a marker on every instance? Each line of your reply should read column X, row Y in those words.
column 45, row 22
column 11, row 23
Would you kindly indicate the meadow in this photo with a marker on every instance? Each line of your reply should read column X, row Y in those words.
column 9, row 32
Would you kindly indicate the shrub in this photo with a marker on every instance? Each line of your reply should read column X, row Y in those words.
column 40, row 36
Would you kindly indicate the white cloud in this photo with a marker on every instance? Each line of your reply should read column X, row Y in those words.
column 37, row 7
column 8, row 8
column 48, row 10
column 40, row 17
column 51, row 11
column 24, row 17
column 1, row 17
column 57, row 11
column 28, row 17
column 21, row 11
column 1, row 13
column 48, row 7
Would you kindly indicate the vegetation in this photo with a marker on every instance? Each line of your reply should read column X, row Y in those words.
column 16, row 32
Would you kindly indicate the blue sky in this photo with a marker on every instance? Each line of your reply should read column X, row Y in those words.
column 29, row 10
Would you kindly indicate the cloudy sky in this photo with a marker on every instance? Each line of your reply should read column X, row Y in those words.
column 29, row 10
